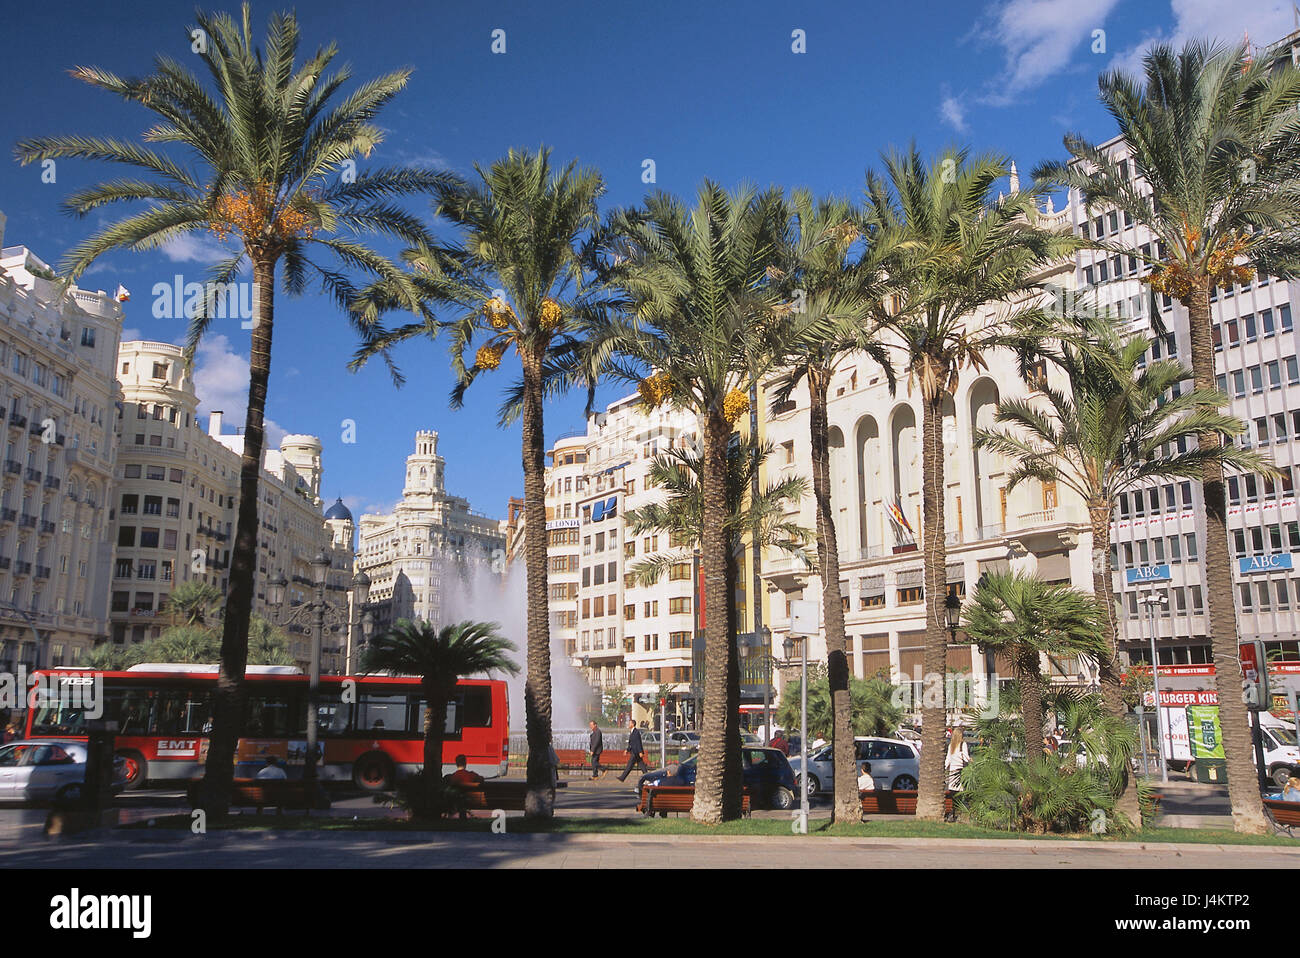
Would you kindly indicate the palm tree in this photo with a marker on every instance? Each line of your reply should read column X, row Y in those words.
column 516, row 277
column 1214, row 141
column 193, row 603
column 267, row 645
column 440, row 657
column 700, row 305
column 679, row 473
column 819, row 272
column 953, row 254
column 871, row 710
column 1115, row 428
column 681, row 516
column 1024, row 618
column 271, row 166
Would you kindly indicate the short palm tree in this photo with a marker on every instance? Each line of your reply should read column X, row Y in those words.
column 516, row 277
column 193, row 603
column 953, row 254
column 1024, row 618
column 1213, row 138
column 827, row 275
column 699, row 307
column 269, row 162
column 440, row 658
column 1117, row 427
column 872, row 711
column 267, row 645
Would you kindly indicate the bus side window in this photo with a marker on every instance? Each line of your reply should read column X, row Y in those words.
column 475, row 702
column 382, row 713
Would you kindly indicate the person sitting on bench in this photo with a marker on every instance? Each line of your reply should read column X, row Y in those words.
column 463, row 776
column 865, row 782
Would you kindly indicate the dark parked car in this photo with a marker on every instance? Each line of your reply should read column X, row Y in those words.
column 768, row 777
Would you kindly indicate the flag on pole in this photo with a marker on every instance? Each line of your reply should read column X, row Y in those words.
column 900, row 518
column 123, row 294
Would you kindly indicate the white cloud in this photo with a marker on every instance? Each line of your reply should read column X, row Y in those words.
column 1038, row 39
column 192, row 248
column 131, row 333
column 360, row 505
column 1265, row 20
column 953, row 112
column 221, row 381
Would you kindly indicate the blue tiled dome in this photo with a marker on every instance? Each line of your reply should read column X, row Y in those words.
column 338, row 511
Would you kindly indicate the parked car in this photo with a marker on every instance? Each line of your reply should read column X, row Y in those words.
column 895, row 764
column 767, row 772
column 48, row 771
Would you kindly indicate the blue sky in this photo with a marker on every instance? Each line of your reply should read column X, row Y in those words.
column 702, row 89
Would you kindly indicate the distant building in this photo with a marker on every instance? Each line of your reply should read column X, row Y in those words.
column 57, row 396
column 177, row 500
column 426, row 543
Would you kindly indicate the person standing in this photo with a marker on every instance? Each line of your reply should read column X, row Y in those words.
column 595, row 745
column 957, row 758
column 635, row 751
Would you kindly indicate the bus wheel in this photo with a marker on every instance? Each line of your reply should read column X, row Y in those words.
column 136, row 769
column 373, row 772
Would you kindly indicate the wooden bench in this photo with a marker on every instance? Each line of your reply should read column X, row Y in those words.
column 497, row 793
column 1285, row 815
column 277, row 793
column 878, row 802
column 662, row 799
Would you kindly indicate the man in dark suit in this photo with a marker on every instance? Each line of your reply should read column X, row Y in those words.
column 635, row 751
column 595, row 745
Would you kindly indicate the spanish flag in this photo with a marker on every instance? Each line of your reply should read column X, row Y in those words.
column 123, row 294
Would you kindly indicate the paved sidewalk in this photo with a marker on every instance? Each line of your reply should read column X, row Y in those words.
column 441, row 850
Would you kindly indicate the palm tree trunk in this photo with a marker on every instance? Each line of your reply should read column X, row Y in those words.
column 1103, row 588
column 733, row 780
column 228, row 700
column 540, row 799
column 436, row 698
column 1030, row 679
column 934, row 715
column 717, row 751
column 847, row 807
column 1243, row 787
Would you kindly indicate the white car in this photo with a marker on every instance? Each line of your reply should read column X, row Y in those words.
column 45, row 770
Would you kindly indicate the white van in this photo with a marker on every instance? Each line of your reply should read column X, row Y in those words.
column 1281, row 751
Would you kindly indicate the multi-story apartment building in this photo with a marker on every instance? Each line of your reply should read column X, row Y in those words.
column 1256, row 367
column 876, row 469
column 623, row 634
column 426, row 544
column 177, row 496
column 57, row 395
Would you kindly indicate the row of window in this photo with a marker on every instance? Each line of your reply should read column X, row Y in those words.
column 1251, row 326
column 1272, row 370
column 1153, row 500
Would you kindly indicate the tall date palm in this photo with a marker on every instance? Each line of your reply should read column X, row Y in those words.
column 264, row 156
column 516, row 278
column 954, row 254
column 1213, row 139
column 1116, row 428
column 699, row 308
column 829, row 276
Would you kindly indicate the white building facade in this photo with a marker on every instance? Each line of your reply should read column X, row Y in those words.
column 429, row 540
column 57, row 396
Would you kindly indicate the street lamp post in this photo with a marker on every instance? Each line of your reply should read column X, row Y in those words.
column 316, row 611
column 788, row 646
column 767, row 685
column 1151, row 600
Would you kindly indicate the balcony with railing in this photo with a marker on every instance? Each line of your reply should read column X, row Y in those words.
column 53, row 482
column 17, row 422
column 22, row 568
column 4, row 562
column 47, row 527
column 27, row 522
column 42, row 572
column 8, row 515
column 32, row 475
column 13, row 467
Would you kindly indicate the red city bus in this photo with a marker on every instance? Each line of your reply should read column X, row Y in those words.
column 371, row 731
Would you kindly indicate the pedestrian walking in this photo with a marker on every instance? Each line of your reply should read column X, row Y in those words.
column 595, row 745
column 635, row 751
